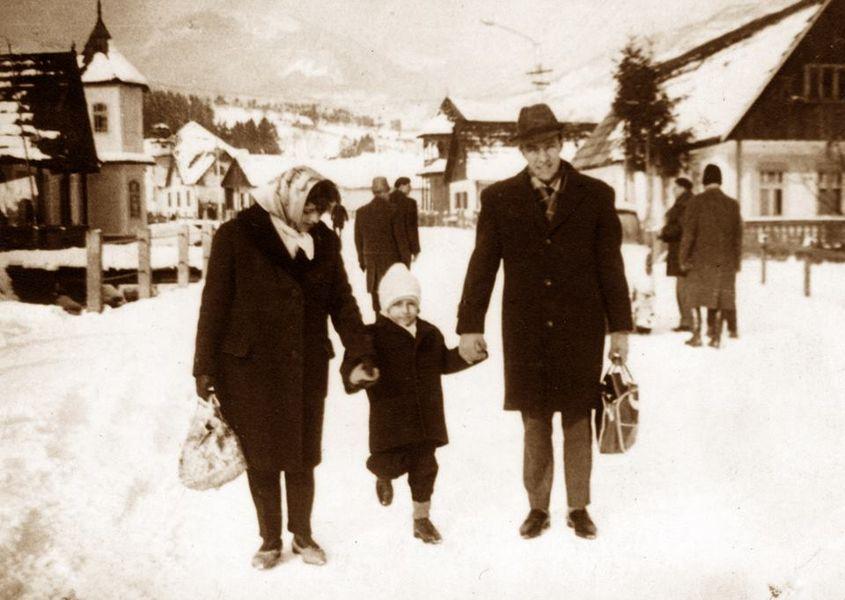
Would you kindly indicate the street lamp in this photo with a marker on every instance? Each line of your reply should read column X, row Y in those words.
column 538, row 72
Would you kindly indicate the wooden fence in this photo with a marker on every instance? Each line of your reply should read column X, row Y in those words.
column 144, row 274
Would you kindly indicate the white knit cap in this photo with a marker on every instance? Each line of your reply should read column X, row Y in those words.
column 398, row 283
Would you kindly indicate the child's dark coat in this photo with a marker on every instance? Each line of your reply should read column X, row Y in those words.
column 406, row 404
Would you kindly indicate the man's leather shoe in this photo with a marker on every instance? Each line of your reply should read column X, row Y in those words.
column 581, row 522
column 535, row 523
column 682, row 328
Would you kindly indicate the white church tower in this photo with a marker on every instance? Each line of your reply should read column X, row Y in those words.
column 114, row 90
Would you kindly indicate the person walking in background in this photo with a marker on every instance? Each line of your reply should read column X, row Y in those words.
column 671, row 234
column 380, row 237
column 711, row 255
column 275, row 276
column 407, row 206
column 407, row 420
column 339, row 217
column 558, row 235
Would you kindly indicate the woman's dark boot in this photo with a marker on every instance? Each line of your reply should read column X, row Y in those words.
column 695, row 340
column 716, row 333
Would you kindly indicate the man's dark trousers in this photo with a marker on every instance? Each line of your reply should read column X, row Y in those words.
column 266, row 490
column 538, row 457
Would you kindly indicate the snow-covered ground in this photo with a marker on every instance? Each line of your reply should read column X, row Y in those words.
column 735, row 485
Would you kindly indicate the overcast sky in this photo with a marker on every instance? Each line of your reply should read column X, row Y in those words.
column 440, row 38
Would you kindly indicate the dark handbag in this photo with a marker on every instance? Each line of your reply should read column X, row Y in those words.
column 617, row 419
column 211, row 454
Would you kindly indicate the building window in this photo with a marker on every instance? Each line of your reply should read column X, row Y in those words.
column 830, row 193
column 461, row 200
column 101, row 118
column 771, row 193
column 179, row 199
column 824, row 83
column 170, row 199
column 134, row 200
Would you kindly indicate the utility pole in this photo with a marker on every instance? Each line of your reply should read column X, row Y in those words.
column 538, row 73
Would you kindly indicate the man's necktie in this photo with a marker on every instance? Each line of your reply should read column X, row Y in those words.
column 549, row 200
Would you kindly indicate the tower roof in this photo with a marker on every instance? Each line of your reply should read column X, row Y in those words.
column 101, row 62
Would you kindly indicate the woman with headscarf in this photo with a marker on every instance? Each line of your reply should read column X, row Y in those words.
column 275, row 276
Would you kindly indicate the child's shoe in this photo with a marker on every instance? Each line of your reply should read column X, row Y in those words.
column 425, row 530
column 384, row 491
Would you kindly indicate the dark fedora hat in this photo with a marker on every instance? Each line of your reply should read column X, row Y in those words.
column 535, row 121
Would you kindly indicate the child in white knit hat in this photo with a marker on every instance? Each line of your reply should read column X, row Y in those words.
column 407, row 421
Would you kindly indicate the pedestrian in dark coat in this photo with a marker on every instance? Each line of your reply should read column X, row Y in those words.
column 558, row 235
column 407, row 420
column 380, row 237
column 275, row 276
column 407, row 206
column 671, row 235
column 711, row 252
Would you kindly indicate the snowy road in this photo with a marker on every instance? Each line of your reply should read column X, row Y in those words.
column 735, row 485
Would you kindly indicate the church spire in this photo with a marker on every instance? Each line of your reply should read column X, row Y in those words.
column 98, row 41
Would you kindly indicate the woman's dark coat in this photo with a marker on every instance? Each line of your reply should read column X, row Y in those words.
column 263, row 335
column 711, row 249
column 564, row 287
column 672, row 233
column 406, row 404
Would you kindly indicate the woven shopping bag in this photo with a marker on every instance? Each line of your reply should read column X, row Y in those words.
column 211, row 454
column 618, row 417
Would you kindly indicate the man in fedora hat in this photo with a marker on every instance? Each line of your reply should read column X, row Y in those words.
column 557, row 233
column 380, row 237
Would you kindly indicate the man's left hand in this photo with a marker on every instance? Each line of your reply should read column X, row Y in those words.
column 619, row 346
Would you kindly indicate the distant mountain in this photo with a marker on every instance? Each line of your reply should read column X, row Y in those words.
column 218, row 51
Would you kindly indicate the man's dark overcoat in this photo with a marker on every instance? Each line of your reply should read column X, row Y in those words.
column 263, row 335
column 711, row 249
column 564, row 288
column 380, row 239
column 672, row 233
column 406, row 404
column 408, row 208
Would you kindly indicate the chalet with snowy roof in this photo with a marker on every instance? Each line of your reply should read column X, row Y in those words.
column 765, row 102
column 46, row 150
column 466, row 147
column 193, row 185
column 247, row 172
column 114, row 90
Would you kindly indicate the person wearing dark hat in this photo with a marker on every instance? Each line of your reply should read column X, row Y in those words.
column 711, row 254
column 407, row 207
column 557, row 233
column 671, row 235
column 380, row 237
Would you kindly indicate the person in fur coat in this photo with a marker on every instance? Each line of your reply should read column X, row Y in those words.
column 407, row 421
column 275, row 277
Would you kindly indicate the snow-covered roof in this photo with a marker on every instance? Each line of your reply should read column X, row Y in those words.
column 111, row 67
column 196, row 150
column 118, row 156
column 358, row 172
column 716, row 83
column 435, row 167
column 43, row 113
column 437, row 125
column 496, row 109
column 493, row 164
column 261, row 169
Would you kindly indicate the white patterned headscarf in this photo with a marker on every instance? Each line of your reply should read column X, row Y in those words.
column 284, row 198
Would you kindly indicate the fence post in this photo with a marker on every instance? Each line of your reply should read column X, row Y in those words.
column 807, row 271
column 763, row 256
column 206, row 247
column 94, row 270
column 145, row 272
column 182, row 274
